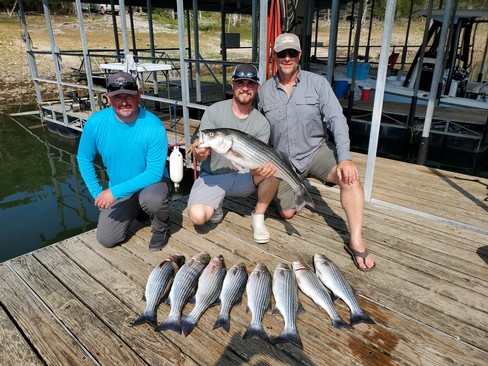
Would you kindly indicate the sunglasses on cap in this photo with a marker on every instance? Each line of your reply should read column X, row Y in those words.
column 250, row 75
column 291, row 52
column 126, row 86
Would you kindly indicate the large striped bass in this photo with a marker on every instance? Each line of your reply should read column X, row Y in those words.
column 258, row 291
column 311, row 286
column 332, row 277
column 231, row 294
column 183, row 288
column 285, row 292
column 208, row 291
column 158, row 284
column 246, row 151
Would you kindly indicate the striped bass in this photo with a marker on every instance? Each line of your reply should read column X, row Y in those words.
column 285, row 292
column 182, row 289
column 258, row 291
column 246, row 151
column 311, row 286
column 332, row 277
column 157, row 287
column 208, row 291
column 232, row 291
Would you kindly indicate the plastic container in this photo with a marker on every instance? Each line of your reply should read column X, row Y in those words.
column 366, row 93
column 362, row 70
column 341, row 87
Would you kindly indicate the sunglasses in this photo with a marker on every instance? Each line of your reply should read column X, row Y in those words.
column 126, row 86
column 292, row 53
column 240, row 83
column 249, row 75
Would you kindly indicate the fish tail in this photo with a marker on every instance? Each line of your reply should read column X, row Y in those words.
column 172, row 322
column 302, row 198
column 339, row 323
column 148, row 318
column 188, row 323
column 360, row 317
column 289, row 335
column 223, row 321
column 256, row 331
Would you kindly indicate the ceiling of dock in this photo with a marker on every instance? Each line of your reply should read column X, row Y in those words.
column 227, row 6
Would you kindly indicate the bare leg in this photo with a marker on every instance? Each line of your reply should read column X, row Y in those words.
column 199, row 214
column 352, row 201
column 266, row 191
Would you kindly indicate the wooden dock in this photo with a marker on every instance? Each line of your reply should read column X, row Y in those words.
column 72, row 303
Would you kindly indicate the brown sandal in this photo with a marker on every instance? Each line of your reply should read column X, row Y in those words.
column 354, row 253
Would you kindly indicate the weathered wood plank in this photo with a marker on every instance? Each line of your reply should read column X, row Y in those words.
column 95, row 336
column 198, row 343
column 52, row 342
column 111, row 310
column 15, row 350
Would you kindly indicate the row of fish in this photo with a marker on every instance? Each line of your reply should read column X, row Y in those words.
column 206, row 282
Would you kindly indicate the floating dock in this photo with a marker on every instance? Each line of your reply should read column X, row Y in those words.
column 72, row 303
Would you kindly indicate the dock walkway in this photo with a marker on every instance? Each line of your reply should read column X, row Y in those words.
column 72, row 303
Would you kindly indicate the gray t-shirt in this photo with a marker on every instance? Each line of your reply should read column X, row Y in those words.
column 299, row 123
column 220, row 115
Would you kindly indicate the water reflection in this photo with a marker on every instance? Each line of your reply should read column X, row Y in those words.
column 42, row 196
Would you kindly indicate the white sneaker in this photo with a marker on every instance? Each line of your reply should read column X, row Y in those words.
column 217, row 216
column 261, row 233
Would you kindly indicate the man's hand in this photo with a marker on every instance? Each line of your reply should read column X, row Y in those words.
column 266, row 170
column 347, row 172
column 200, row 153
column 105, row 199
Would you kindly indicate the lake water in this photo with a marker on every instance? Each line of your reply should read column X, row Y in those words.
column 43, row 198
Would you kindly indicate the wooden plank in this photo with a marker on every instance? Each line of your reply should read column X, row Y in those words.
column 235, row 220
column 53, row 344
column 15, row 350
column 197, row 344
column 95, row 336
column 111, row 310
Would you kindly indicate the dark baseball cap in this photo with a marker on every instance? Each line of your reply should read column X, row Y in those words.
column 246, row 72
column 121, row 83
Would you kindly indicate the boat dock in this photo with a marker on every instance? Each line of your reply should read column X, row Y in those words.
column 72, row 303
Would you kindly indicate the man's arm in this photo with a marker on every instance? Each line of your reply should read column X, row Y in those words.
column 87, row 151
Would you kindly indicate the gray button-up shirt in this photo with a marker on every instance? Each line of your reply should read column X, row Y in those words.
column 299, row 123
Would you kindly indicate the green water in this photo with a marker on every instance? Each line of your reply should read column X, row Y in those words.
column 43, row 198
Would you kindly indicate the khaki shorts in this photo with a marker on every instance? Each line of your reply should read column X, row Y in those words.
column 211, row 189
column 324, row 159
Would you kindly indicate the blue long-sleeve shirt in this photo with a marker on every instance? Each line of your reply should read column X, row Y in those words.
column 134, row 154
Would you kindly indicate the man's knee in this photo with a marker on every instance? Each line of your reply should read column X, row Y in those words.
column 154, row 202
column 197, row 216
column 288, row 214
column 108, row 240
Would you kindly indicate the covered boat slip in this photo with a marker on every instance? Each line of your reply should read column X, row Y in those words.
column 73, row 302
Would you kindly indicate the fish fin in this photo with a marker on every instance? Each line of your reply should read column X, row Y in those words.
column 239, row 168
column 222, row 321
column 215, row 303
column 144, row 296
column 303, row 198
column 360, row 317
column 188, row 323
column 167, row 301
column 275, row 311
column 248, row 309
column 289, row 336
column 256, row 331
column 300, row 308
column 339, row 323
column 192, row 299
column 171, row 323
column 148, row 318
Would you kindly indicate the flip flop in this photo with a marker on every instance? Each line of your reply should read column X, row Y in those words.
column 354, row 253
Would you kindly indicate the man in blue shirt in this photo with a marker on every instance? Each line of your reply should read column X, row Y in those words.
column 300, row 107
column 133, row 145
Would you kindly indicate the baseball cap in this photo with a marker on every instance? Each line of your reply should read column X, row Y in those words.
column 121, row 83
column 246, row 72
column 287, row 41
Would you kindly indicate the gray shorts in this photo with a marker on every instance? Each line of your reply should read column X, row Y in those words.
column 211, row 189
column 324, row 159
